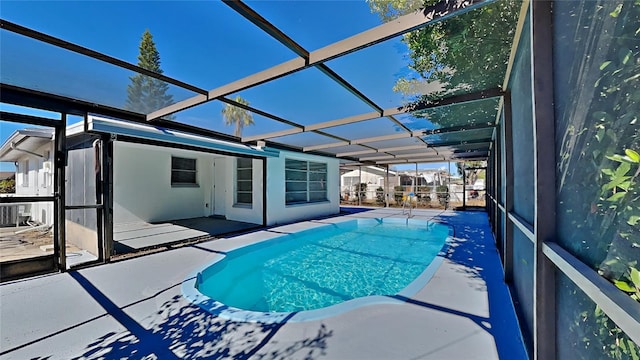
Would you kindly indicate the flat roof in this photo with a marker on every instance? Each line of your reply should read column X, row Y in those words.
column 157, row 133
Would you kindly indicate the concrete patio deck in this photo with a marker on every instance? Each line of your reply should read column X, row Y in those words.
column 134, row 309
column 135, row 236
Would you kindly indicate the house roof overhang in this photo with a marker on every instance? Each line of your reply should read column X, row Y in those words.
column 160, row 135
column 24, row 143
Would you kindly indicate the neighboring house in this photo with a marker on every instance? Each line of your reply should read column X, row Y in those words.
column 31, row 151
column 373, row 176
column 425, row 177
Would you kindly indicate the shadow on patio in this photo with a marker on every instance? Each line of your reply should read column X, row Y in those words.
column 185, row 331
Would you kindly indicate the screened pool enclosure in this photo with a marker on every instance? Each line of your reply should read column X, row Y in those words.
column 542, row 96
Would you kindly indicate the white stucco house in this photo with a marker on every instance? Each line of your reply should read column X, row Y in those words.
column 161, row 174
column 147, row 174
column 31, row 152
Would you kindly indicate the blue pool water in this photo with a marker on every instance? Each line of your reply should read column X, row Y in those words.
column 321, row 267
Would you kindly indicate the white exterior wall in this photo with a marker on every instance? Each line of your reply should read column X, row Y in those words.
column 142, row 188
column 278, row 212
column 40, row 183
column 40, row 173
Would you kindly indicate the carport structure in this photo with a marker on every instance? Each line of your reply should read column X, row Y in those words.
column 511, row 112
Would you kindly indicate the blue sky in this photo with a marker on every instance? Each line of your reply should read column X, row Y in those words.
column 206, row 44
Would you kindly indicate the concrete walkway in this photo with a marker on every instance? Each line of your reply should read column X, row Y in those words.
column 134, row 309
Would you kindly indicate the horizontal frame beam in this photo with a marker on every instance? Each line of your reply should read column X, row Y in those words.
column 325, row 146
column 261, row 77
column 459, row 128
column 180, row 106
column 403, row 148
column 385, row 137
column 28, row 119
column 259, row 112
column 522, row 225
column 459, row 143
column 273, row 134
column 623, row 310
column 16, row 95
column 379, row 157
column 462, row 155
column 343, row 121
column 415, row 160
column 451, row 100
column 347, row 86
column 255, row 18
column 359, row 152
column 25, row 199
column 36, row 35
column 389, row 149
column 403, row 24
column 416, row 133
column 81, row 207
column 406, row 23
column 456, row 99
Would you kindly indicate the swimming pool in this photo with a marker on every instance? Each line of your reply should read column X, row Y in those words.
column 322, row 271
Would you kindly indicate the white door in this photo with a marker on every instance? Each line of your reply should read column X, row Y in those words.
column 219, row 191
column 212, row 200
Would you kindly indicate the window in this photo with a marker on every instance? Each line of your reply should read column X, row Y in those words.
column 183, row 171
column 244, row 181
column 25, row 173
column 46, row 169
column 305, row 181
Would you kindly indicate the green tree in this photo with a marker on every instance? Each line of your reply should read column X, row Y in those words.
column 237, row 116
column 8, row 186
column 464, row 53
column 472, row 174
column 389, row 10
column 146, row 94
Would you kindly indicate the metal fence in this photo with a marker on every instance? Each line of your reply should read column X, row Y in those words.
column 8, row 214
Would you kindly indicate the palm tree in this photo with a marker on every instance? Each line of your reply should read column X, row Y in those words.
column 238, row 116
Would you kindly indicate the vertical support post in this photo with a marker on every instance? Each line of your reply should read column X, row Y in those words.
column 415, row 183
column 489, row 184
column 359, row 184
column 508, row 194
column 60, row 158
column 497, row 183
column 264, row 191
column 492, row 173
column 99, row 150
column 544, row 337
column 107, row 197
column 386, row 187
column 448, row 187
column 464, row 186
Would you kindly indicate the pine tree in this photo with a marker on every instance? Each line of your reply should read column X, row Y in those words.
column 146, row 94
